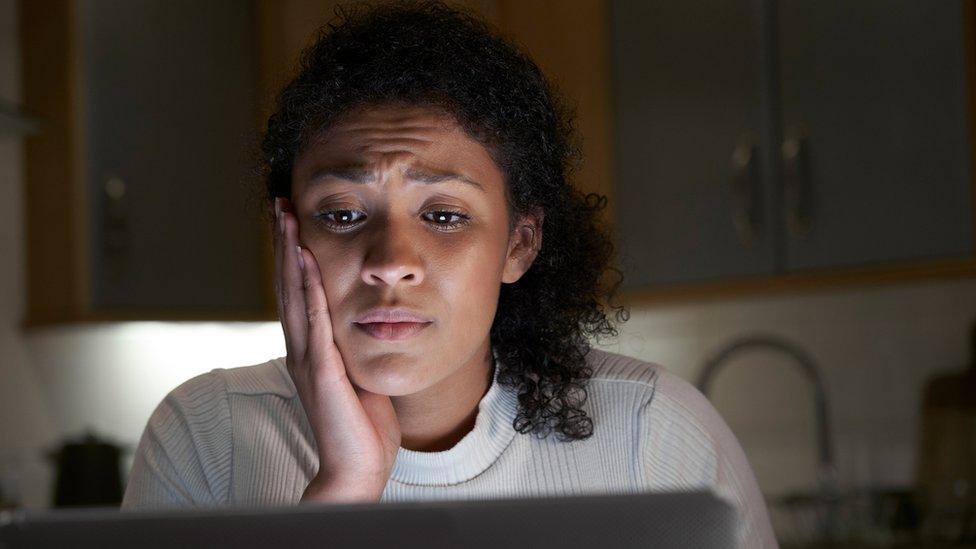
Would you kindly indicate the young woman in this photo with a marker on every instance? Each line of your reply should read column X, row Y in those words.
column 438, row 281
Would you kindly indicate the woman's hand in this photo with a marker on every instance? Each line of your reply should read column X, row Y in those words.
column 357, row 432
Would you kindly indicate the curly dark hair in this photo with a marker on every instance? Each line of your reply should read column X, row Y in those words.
column 431, row 54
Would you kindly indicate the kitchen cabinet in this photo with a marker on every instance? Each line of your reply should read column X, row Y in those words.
column 149, row 154
column 876, row 96
column 763, row 143
column 170, row 105
column 686, row 94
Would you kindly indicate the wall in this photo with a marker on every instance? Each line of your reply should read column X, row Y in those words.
column 875, row 346
column 24, row 419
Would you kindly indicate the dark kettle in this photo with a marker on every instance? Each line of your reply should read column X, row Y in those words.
column 88, row 473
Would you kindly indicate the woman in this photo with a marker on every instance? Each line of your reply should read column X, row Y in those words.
column 438, row 280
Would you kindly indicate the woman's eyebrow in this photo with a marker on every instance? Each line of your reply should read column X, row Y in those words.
column 353, row 174
column 359, row 174
column 430, row 177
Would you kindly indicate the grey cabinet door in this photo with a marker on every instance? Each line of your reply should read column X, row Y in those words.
column 879, row 88
column 168, row 90
column 686, row 94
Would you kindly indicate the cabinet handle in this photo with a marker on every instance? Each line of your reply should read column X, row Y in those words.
column 115, row 227
column 746, row 192
column 797, row 189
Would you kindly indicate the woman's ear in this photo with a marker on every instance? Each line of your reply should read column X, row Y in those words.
column 523, row 246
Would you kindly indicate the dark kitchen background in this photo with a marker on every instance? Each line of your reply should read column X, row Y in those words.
column 791, row 183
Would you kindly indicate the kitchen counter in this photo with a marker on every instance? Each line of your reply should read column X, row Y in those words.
column 868, row 545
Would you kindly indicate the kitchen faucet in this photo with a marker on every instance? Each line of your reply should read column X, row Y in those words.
column 826, row 473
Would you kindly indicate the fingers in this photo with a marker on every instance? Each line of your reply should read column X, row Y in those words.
column 338, row 407
column 291, row 290
column 276, row 245
column 322, row 351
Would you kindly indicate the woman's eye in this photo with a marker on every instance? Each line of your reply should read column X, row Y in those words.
column 341, row 218
column 442, row 219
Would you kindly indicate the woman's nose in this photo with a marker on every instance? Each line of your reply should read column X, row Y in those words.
column 392, row 259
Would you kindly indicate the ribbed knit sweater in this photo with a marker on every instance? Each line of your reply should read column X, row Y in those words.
column 240, row 437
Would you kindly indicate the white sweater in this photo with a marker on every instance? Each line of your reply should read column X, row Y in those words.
column 240, row 437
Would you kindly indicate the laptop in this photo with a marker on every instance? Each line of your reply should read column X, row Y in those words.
column 605, row 521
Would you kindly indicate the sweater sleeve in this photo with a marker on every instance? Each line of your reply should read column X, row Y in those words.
column 686, row 445
column 184, row 456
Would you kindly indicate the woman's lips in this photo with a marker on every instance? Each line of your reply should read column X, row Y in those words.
column 392, row 331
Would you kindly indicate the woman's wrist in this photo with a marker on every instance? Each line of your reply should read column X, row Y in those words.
column 338, row 491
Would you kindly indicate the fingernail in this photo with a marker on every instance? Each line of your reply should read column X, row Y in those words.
column 277, row 206
column 301, row 261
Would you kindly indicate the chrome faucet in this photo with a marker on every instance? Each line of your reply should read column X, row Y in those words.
column 826, row 473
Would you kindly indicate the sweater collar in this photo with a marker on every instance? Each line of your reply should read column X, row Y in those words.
column 492, row 433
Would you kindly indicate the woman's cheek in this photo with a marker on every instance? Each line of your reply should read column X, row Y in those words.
column 478, row 281
column 334, row 275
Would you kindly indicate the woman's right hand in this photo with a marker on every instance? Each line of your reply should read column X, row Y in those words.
column 357, row 432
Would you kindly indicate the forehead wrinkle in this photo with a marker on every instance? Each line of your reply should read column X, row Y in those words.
column 389, row 161
column 412, row 126
column 385, row 127
column 397, row 116
column 411, row 170
column 377, row 142
column 364, row 132
column 392, row 144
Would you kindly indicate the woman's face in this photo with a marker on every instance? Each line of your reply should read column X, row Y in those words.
column 402, row 209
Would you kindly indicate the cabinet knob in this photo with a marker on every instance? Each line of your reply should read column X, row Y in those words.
column 746, row 191
column 797, row 189
column 115, row 188
column 116, row 236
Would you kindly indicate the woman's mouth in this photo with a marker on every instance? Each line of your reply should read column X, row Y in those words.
column 392, row 331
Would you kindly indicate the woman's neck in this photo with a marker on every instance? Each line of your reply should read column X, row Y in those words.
column 437, row 418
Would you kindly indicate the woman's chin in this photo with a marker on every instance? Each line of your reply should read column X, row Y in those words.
column 385, row 377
